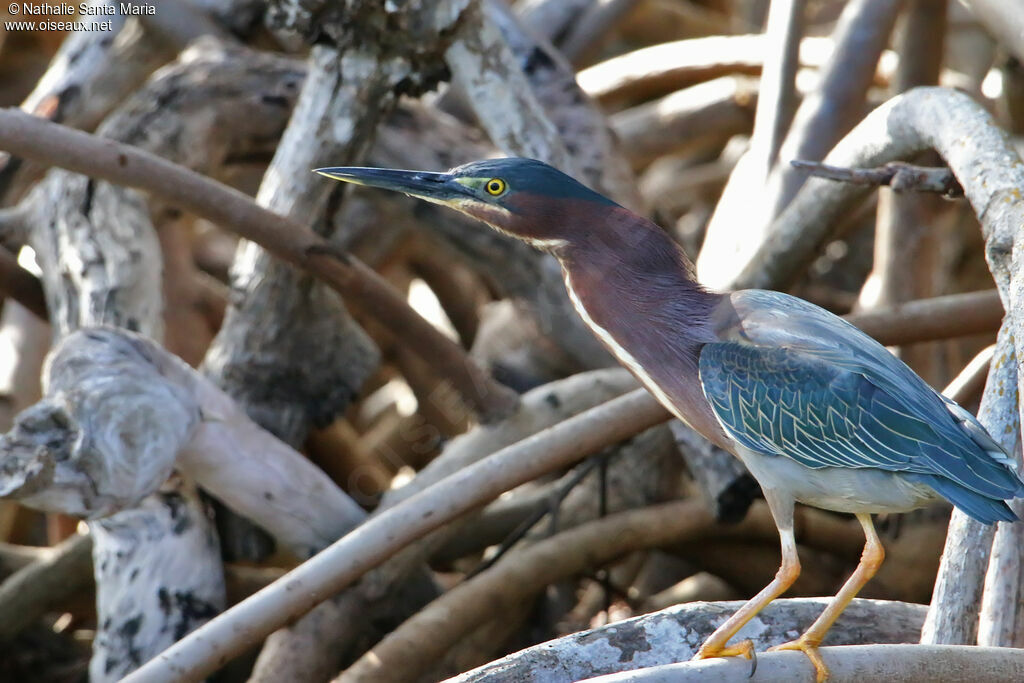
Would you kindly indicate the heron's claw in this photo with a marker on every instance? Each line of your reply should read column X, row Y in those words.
column 809, row 647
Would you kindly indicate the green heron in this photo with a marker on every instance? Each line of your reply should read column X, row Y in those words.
column 818, row 412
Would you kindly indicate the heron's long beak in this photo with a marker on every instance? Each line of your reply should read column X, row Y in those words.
column 435, row 187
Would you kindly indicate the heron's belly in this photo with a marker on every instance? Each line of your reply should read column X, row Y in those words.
column 838, row 488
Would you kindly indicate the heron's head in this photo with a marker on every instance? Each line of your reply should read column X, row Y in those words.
column 524, row 198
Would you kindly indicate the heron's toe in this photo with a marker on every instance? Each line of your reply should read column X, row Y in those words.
column 809, row 647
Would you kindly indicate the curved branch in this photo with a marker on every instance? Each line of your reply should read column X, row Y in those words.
column 121, row 412
column 950, row 122
column 948, row 663
column 52, row 144
column 828, row 113
column 428, row 634
column 673, row 635
column 385, row 534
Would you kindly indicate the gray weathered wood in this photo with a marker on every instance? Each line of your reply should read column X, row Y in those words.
column 674, row 634
column 890, row 663
column 121, row 413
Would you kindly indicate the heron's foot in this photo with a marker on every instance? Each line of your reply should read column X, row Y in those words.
column 809, row 646
column 744, row 648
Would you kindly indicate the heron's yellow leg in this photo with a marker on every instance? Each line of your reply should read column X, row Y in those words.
column 716, row 643
column 870, row 561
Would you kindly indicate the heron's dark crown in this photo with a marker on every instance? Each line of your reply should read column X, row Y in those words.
column 530, row 177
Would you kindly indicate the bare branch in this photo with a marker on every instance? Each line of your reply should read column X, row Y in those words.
column 52, row 144
column 956, row 599
column 941, row 317
column 743, row 215
column 826, row 115
column 900, row 176
column 777, row 99
column 520, row 575
column 849, row 663
column 659, row 69
column 698, row 118
column 1002, row 18
column 971, row 380
column 588, row 33
column 383, row 535
column 673, row 635
column 432, row 631
column 920, row 119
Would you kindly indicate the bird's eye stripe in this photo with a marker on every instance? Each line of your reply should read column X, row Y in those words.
column 495, row 186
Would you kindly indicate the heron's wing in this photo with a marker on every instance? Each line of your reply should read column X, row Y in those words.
column 790, row 379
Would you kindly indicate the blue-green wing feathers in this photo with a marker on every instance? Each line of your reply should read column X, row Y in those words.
column 792, row 380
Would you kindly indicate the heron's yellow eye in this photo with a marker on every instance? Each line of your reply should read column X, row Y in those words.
column 495, row 186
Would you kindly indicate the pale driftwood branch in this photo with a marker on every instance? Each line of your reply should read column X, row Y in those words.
column 122, row 409
column 284, row 323
column 827, row 114
column 52, row 144
column 895, row 663
column 909, row 227
column 26, row 594
column 385, row 534
column 581, row 125
column 970, row 382
column 956, row 599
column 158, row 576
column 313, row 648
column 743, row 215
column 777, row 98
column 91, row 73
column 702, row 117
column 428, row 635
column 941, row 317
column 101, row 264
column 588, row 33
column 376, row 593
column 1002, row 18
column 551, row 19
column 24, row 342
column 94, row 70
column 674, row 634
column 180, row 27
column 540, row 409
column 1000, row 617
column 923, row 118
column 659, row 69
column 641, row 472
column 483, row 66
